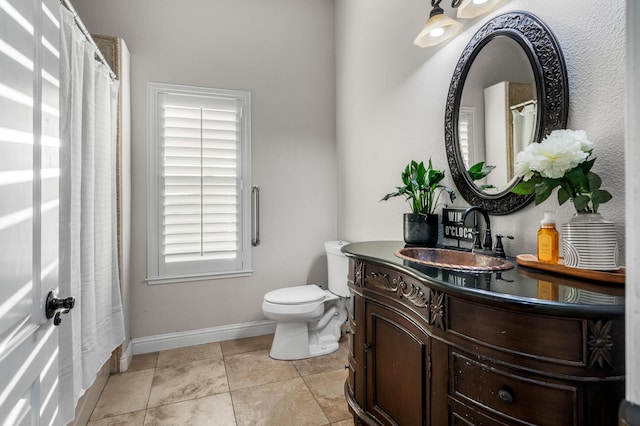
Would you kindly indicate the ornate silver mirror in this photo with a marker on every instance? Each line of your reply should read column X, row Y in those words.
column 508, row 89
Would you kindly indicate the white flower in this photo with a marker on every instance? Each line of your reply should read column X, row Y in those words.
column 558, row 153
column 523, row 163
column 556, row 162
column 570, row 136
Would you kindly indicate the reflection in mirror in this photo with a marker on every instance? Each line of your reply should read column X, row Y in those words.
column 509, row 89
column 497, row 111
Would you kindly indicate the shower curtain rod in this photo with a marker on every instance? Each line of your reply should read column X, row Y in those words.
column 80, row 24
column 530, row 101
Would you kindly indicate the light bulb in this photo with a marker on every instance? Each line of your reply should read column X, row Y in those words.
column 436, row 32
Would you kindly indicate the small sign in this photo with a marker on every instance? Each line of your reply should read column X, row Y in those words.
column 453, row 228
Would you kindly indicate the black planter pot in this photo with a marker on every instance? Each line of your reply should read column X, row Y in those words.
column 421, row 229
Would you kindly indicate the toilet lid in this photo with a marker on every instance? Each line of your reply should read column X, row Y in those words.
column 295, row 295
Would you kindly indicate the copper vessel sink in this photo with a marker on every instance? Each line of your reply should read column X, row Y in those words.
column 453, row 259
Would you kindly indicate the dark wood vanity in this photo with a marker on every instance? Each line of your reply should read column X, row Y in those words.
column 430, row 346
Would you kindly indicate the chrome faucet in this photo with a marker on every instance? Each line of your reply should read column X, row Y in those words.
column 486, row 246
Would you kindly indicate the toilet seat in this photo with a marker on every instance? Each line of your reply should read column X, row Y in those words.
column 295, row 295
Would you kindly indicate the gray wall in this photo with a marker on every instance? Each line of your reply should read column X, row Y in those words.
column 282, row 51
column 388, row 98
column 391, row 101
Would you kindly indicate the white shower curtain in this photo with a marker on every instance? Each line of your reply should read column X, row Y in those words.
column 88, row 248
column 524, row 124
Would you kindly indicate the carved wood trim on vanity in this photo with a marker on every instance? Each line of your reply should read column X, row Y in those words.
column 600, row 343
column 359, row 273
column 432, row 301
column 437, row 309
column 411, row 292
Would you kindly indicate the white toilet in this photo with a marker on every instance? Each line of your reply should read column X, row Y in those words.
column 309, row 319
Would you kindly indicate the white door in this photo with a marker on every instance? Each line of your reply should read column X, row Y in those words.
column 29, row 172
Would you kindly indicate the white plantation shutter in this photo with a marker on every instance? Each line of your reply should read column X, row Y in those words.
column 201, row 182
column 201, row 164
column 466, row 135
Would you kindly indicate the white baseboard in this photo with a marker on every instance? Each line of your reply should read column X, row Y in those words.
column 182, row 339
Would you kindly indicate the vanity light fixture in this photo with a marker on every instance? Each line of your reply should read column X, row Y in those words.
column 469, row 9
column 440, row 28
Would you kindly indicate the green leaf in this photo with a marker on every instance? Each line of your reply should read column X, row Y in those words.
column 587, row 165
column 390, row 195
column 421, row 173
column 526, row 187
column 598, row 197
column 563, row 196
column 476, row 168
column 434, row 177
column 479, row 171
column 451, row 192
column 544, row 188
column 578, row 179
column 601, row 196
column 581, row 203
column 485, row 187
column 406, row 176
column 594, row 181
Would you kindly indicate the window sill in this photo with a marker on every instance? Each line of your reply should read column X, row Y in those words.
column 199, row 277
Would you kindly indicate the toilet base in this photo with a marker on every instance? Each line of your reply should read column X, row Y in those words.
column 305, row 339
column 291, row 342
column 317, row 350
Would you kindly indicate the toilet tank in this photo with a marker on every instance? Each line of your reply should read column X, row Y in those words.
column 337, row 268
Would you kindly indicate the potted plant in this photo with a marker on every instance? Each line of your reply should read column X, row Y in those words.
column 563, row 160
column 421, row 189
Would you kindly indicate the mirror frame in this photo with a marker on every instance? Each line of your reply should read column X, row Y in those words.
column 552, row 91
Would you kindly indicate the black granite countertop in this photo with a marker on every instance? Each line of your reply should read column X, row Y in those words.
column 518, row 285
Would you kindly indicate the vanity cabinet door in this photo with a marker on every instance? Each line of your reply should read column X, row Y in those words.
column 397, row 357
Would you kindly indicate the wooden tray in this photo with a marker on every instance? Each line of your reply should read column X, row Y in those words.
column 531, row 261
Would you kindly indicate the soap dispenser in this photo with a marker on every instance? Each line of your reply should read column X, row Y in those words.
column 548, row 240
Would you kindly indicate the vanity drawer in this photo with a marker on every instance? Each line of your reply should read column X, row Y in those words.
column 511, row 395
column 559, row 340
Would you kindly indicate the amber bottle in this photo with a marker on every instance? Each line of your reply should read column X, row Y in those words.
column 548, row 240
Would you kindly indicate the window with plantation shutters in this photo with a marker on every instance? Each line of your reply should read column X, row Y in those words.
column 198, row 183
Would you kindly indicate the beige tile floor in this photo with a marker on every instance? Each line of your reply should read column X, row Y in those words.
column 227, row 383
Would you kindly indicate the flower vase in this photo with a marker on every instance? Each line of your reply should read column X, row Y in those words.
column 420, row 229
column 590, row 242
